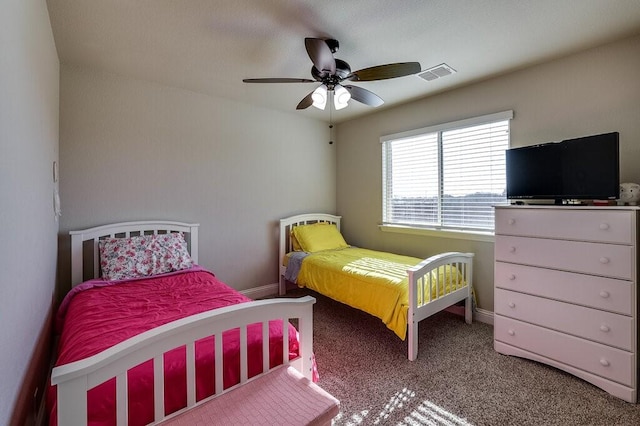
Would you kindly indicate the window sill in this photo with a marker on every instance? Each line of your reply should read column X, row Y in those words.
column 441, row 233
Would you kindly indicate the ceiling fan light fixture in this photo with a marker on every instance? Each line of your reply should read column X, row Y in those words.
column 319, row 97
column 330, row 72
column 341, row 97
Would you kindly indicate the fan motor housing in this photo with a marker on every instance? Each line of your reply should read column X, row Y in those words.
column 342, row 71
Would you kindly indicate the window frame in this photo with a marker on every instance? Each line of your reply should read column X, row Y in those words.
column 448, row 231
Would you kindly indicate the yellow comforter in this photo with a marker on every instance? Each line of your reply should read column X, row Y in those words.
column 372, row 281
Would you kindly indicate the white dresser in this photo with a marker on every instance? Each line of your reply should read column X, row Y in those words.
column 566, row 291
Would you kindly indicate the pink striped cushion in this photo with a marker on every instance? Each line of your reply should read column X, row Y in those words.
column 281, row 397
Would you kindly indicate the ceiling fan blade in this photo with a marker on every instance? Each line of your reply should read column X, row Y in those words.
column 278, row 80
column 320, row 54
column 362, row 95
column 383, row 72
column 306, row 102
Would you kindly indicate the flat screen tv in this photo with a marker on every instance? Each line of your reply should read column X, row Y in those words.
column 586, row 168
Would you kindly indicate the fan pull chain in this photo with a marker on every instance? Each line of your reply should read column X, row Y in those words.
column 330, row 124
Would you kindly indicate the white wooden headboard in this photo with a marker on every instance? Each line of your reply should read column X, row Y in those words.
column 285, row 246
column 124, row 230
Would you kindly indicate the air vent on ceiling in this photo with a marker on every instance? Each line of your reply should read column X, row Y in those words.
column 438, row 71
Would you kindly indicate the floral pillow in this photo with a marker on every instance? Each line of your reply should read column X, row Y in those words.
column 122, row 258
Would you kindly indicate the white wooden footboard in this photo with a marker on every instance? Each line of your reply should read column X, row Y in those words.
column 73, row 380
column 429, row 294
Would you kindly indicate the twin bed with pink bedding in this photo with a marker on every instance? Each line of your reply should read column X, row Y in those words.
column 141, row 349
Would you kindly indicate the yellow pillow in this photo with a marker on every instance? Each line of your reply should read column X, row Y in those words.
column 319, row 236
column 295, row 245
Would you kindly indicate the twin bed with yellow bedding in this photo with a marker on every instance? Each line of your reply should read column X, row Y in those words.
column 399, row 290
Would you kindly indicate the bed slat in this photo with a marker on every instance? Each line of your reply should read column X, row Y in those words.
column 305, row 329
column 219, row 364
column 96, row 258
column 158, row 386
column 243, row 354
column 122, row 402
column 285, row 341
column 191, row 373
column 265, row 346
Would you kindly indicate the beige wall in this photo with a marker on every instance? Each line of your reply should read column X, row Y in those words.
column 29, row 75
column 592, row 92
column 134, row 150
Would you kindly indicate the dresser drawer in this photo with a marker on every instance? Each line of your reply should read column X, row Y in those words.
column 600, row 326
column 571, row 224
column 610, row 260
column 608, row 294
column 611, row 363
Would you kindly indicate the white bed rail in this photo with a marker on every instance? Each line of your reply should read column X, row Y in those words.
column 123, row 230
column 75, row 379
column 430, row 293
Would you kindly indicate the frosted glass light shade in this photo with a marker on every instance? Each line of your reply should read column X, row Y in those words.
column 341, row 97
column 319, row 97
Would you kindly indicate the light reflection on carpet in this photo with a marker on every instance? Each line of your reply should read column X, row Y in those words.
column 425, row 414
column 428, row 413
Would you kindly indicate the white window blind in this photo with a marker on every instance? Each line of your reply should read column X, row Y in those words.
column 448, row 176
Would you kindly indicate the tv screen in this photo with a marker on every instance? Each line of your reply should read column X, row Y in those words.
column 584, row 168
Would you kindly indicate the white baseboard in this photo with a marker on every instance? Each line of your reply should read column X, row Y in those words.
column 482, row 315
column 261, row 292
column 479, row 315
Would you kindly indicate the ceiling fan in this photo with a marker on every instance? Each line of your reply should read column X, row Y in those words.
column 331, row 72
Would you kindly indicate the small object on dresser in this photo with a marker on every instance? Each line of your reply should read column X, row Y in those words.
column 629, row 194
column 604, row 202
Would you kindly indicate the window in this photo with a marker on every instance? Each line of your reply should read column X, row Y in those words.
column 447, row 176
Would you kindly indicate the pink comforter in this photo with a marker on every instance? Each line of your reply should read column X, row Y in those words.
column 99, row 314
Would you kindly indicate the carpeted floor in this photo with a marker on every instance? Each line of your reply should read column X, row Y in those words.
column 458, row 379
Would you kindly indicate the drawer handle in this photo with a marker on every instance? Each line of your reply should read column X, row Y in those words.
column 604, row 294
column 512, row 221
column 604, row 362
column 511, row 333
column 604, row 226
column 604, row 260
column 512, row 277
column 604, row 328
column 512, row 305
column 512, row 249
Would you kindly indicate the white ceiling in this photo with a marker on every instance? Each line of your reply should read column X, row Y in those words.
column 209, row 46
